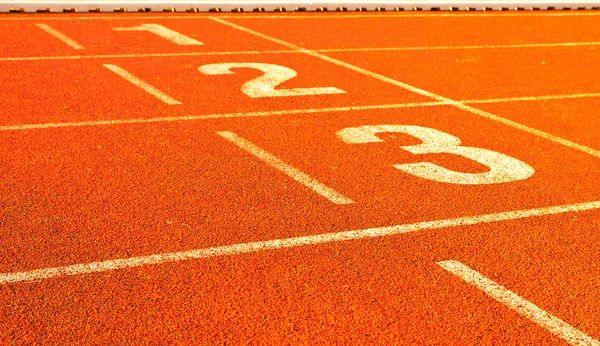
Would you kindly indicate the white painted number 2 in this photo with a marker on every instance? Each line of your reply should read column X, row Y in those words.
column 503, row 168
column 264, row 86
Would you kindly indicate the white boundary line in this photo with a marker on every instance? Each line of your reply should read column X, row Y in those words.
column 419, row 91
column 142, row 85
column 327, row 50
column 532, row 98
column 294, row 173
column 148, row 55
column 282, row 112
column 543, row 318
column 214, row 116
column 237, row 249
column 59, row 35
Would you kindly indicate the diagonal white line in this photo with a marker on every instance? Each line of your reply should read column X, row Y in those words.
column 419, row 91
column 59, row 35
column 143, row 85
column 228, row 250
column 283, row 167
column 524, row 307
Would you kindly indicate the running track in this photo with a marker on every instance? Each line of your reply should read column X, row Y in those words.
column 149, row 196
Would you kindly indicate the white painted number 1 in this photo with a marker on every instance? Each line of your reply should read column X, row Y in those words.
column 264, row 86
column 503, row 168
column 166, row 33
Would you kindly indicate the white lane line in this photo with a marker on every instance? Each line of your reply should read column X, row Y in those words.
column 284, row 112
column 146, row 55
column 59, row 35
column 500, row 46
column 543, row 318
column 531, row 130
column 283, row 167
column 164, row 32
column 215, row 116
column 329, row 50
column 228, row 250
column 143, row 85
column 419, row 91
column 533, row 98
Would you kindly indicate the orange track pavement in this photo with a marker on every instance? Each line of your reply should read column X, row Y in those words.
column 94, row 168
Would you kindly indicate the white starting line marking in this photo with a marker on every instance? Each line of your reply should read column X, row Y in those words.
column 228, row 250
column 143, row 85
column 416, row 90
column 292, row 172
column 545, row 319
column 59, row 35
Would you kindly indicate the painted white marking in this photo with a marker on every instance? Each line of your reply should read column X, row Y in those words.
column 146, row 55
column 533, row 98
column 502, row 168
column 500, row 46
column 228, row 250
column 264, row 86
column 166, row 33
column 281, row 112
column 59, row 35
column 214, row 116
column 290, row 171
column 528, row 129
column 332, row 50
column 143, row 85
column 419, row 91
column 524, row 307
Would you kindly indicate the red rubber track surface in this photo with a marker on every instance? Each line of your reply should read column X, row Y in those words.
column 75, row 188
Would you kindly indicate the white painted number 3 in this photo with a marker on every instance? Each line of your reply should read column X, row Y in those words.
column 264, row 86
column 503, row 168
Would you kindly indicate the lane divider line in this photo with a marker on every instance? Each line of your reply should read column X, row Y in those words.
column 142, row 85
column 524, row 307
column 283, row 167
column 214, row 116
column 146, row 55
column 329, row 50
column 284, row 112
column 59, row 35
column 532, row 98
column 419, row 91
column 237, row 249
column 425, row 48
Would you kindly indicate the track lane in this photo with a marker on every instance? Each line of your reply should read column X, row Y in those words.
column 416, row 30
column 142, row 189
column 386, row 289
column 100, row 37
column 52, row 92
